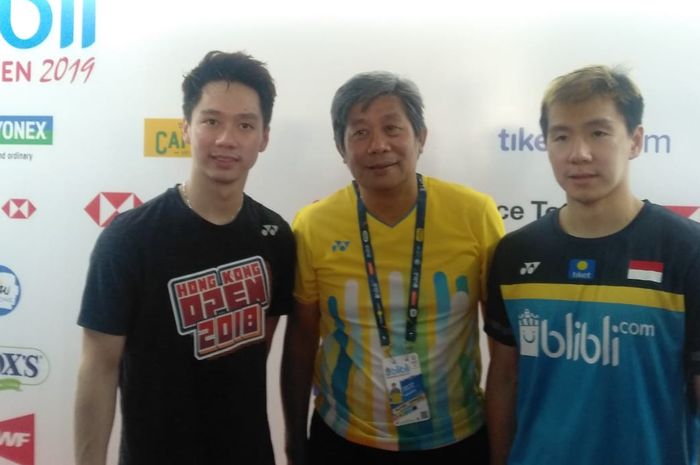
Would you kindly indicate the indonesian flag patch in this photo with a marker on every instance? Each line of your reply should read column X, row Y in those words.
column 645, row 270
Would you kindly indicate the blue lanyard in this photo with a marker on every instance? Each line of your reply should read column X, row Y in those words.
column 416, row 264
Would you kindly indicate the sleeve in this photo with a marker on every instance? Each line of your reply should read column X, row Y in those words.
column 692, row 315
column 492, row 231
column 496, row 322
column 109, row 296
column 305, row 283
column 283, row 283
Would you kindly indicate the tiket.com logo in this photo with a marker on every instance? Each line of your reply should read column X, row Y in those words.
column 19, row 208
column 269, row 229
column 26, row 130
column 340, row 246
column 689, row 212
column 525, row 141
column 577, row 341
column 10, row 290
column 17, row 440
column 581, row 269
column 162, row 137
column 222, row 308
column 105, row 206
column 22, row 366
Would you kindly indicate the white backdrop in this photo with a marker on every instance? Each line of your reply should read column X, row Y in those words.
column 481, row 69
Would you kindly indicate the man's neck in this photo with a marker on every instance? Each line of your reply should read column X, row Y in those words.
column 218, row 203
column 599, row 219
column 390, row 206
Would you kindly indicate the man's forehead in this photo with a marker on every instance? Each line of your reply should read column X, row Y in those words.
column 592, row 111
column 388, row 109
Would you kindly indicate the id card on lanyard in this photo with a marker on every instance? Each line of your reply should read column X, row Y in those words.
column 402, row 373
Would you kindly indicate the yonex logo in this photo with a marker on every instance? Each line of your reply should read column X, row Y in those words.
column 529, row 267
column 269, row 229
column 18, row 208
column 26, row 130
column 340, row 246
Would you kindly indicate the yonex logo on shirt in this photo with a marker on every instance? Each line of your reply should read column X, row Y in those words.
column 529, row 267
column 341, row 246
column 269, row 229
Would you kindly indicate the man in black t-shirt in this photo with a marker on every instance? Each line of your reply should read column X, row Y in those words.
column 183, row 294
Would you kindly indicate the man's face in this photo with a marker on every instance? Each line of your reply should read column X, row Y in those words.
column 381, row 148
column 226, row 132
column 589, row 148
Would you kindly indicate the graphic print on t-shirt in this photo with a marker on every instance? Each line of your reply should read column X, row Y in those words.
column 223, row 308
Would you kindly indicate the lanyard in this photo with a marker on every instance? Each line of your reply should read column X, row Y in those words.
column 416, row 263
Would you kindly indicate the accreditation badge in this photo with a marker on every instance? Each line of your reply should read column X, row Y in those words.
column 404, row 385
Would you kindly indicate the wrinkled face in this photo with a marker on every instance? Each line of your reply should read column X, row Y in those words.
column 381, row 148
column 226, row 132
column 589, row 148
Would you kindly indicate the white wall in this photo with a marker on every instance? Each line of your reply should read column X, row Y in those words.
column 481, row 72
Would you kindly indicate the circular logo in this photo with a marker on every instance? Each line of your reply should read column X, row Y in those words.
column 10, row 290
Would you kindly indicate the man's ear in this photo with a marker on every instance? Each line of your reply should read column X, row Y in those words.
column 421, row 139
column 341, row 151
column 637, row 142
column 265, row 139
column 185, row 131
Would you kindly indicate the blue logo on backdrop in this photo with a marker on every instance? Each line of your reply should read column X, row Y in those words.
column 47, row 21
column 581, row 269
column 10, row 290
column 525, row 141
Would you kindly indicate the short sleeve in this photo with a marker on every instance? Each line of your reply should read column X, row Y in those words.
column 492, row 231
column 496, row 322
column 283, row 284
column 305, row 282
column 109, row 296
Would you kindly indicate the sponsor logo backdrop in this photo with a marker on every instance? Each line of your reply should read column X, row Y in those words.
column 90, row 93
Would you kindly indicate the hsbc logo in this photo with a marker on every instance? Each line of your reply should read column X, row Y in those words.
column 17, row 440
column 19, row 209
column 689, row 212
column 105, row 206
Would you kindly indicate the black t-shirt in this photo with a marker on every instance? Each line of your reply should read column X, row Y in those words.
column 191, row 298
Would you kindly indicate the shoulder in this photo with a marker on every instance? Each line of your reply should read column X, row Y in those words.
column 330, row 207
column 267, row 221
column 264, row 214
column 672, row 222
column 464, row 207
column 540, row 231
column 451, row 191
column 144, row 214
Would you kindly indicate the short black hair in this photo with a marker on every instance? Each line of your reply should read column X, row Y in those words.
column 229, row 67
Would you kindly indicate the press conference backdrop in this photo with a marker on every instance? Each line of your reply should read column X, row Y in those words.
column 89, row 127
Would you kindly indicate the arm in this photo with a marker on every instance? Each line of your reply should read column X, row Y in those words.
column 300, row 347
column 96, row 396
column 501, row 389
